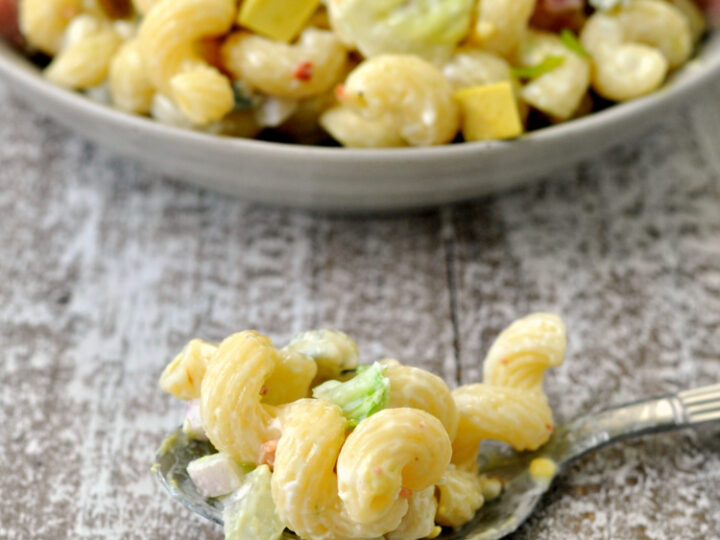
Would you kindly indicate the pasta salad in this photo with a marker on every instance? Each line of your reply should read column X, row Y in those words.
column 361, row 73
column 307, row 439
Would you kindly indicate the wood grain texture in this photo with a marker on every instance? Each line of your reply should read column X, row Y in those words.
column 106, row 270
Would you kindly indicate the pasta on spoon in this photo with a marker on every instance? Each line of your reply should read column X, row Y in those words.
column 363, row 451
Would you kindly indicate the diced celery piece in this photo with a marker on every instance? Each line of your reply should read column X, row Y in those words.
column 363, row 395
column 249, row 513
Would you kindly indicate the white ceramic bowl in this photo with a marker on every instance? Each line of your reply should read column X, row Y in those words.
column 347, row 179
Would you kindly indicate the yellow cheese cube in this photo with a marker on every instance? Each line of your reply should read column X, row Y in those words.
column 489, row 111
column 276, row 19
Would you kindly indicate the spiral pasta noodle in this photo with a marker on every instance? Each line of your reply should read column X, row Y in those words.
column 83, row 60
column 272, row 67
column 235, row 419
column 175, row 66
column 460, row 495
column 304, row 484
column 291, row 378
column 411, row 92
column 420, row 389
column 419, row 521
column 393, row 449
column 43, row 22
column 511, row 406
column 184, row 375
column 130, row 86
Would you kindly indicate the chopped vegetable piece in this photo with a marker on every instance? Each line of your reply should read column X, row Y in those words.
column 277, row 19
column 489, row 112
column 215, row 475
column 570, row 40
column 267, row 452
column 538, row 70
column 304, row 71
column 250, row 513
column 362, row 396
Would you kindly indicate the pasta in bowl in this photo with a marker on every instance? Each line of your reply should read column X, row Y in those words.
column 327, row 177
column 362, row 73
column 306, row 439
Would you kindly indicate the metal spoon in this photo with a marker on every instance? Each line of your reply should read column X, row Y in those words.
column 521, row 492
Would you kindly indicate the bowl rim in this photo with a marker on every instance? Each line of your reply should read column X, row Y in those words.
column 696, row 73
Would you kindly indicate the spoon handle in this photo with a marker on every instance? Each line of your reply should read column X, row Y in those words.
column 654, row 415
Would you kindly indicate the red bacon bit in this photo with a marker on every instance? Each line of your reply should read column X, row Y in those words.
column 9, row 25
column 304, row 71
column 263, row 390
column 267, row 453
column 549, row 427
column 505, row 361
column 712, row 9
column 555, row 15
column 421, row 425
column 117, row 9
column 405, row 493
column 378, row 471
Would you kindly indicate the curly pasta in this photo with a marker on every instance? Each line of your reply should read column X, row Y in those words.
column 184, row 375
column 524, row 350
column 175, row 66
column 409, row 91
column 290, row 379
column 560, row 91
column 419, row 521
column 500, row 25
column 634, row 46
column 130, row 87
column 88, row 47
column 304, row 484
column 304, row 69
column 333, row 351
column 511, row 406
column 420, row 389
column 460, row 495
column 392, row 449
column 235, row 419
column 43, row 22
column 658, row 24
column 350, row 128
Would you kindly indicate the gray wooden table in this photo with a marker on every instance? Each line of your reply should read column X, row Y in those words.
column 107, row 269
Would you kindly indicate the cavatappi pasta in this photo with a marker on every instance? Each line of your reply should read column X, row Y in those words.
column 356, row 451
column 363, row 73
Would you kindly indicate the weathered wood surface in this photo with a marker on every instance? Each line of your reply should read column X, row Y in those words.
column 106, row 270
